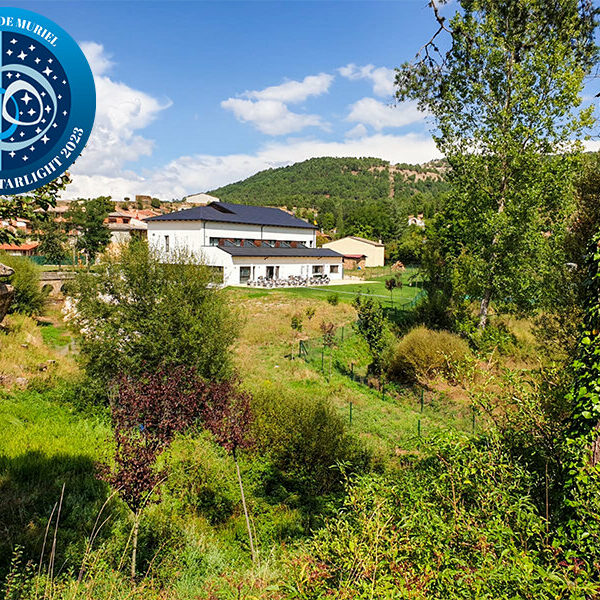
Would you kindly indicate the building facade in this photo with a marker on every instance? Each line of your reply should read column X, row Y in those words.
column 352, row 246
column 245, row 242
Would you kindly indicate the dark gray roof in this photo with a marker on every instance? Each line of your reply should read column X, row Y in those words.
column 225, row 212
column 276, row 252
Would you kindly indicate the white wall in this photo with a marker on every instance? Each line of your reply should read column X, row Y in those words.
column 196, row 234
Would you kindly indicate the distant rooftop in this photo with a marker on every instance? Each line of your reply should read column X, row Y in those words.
column 225, row 212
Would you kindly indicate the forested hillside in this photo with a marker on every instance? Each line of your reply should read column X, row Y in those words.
column 361, row 196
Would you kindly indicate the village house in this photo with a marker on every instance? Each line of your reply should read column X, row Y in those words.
column 123, row 226
column 245, row 242
column 25, row 249
column 354, row 248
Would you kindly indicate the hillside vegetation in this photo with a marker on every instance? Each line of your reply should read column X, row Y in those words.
column 360, row 196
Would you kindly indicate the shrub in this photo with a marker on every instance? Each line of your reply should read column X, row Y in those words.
column 29, row 297
column 423, row 352
column 458, row 523
column 304, row 437
column 333, row 299
column 135, row 314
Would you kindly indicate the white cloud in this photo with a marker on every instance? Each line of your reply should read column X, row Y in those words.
column 357, row 131
column 120, row 112
column 381, row 77
column 267, row 109
column 294, row 91
column 271, row 116
column 370, row 111
column 189, row 174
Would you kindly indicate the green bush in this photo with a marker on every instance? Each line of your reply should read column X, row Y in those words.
column 305, row 438
column 456, row 523
column 29, row 298
column 133, row 313
column 423, row 352
column 333, row 299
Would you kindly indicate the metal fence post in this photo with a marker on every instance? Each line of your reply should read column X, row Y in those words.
column 350, row 412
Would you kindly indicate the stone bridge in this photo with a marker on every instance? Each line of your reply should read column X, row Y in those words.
column 56, row 280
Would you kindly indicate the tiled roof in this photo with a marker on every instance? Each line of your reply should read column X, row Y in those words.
column 278, row 252
column 28, row 246
column 225, row 212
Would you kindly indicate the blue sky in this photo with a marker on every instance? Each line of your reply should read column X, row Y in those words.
column 192, row 95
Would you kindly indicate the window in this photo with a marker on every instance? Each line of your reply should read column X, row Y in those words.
column 244, row 274
column 285, row 244
column 334, row 269
column 237, row 242
column 317, row 269
column 269, row 243
column 214, row 241
column 166, row 243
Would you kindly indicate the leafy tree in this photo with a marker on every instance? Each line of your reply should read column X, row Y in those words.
column 155, row 203
column 134, row 314
column 87, row 217
column 25, row 206
column 29, row 298
column 504, row 99
column 149, row 410
column 583, row 439
column 53, row 240
column 391, row 284
column 371, row 324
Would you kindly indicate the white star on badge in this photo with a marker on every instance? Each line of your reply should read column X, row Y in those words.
column 9, row 52
column 9, row 75
column 49, row 60
column 45, row 139
column 59, row 97
column 32, row 148
column 25, row 158
column 65, row 113
column 32, row 47
column 22, row 56
column 38, row 130
column 54, row 125
column 26, row 98
column 47, row 109
column 18, row 75
column 37, row 61
column 31, row 111
column 13, row 41
column 47, row 71
column 12, row 154
column 22, row 133
column 64, row 81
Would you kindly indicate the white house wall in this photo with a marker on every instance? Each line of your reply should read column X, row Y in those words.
column 194, row 237
column 288, row 266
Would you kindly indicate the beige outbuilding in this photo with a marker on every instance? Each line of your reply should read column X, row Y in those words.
column 353, row 246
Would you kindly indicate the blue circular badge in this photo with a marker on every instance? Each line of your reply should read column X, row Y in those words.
column 47, row 100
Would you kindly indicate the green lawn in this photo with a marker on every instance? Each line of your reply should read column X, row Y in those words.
column 411, row 286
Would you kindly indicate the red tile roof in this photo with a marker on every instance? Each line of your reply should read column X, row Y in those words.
column 28, row 246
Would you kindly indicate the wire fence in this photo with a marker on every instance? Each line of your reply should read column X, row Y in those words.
column 332, row 354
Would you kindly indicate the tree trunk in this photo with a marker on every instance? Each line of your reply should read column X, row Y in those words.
column 136, row 527
column 484, row 308
column 239, row 476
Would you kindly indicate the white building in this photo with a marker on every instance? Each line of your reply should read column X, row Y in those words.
column 245, row 242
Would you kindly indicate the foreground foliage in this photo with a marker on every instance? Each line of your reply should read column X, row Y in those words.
column 135, row 313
